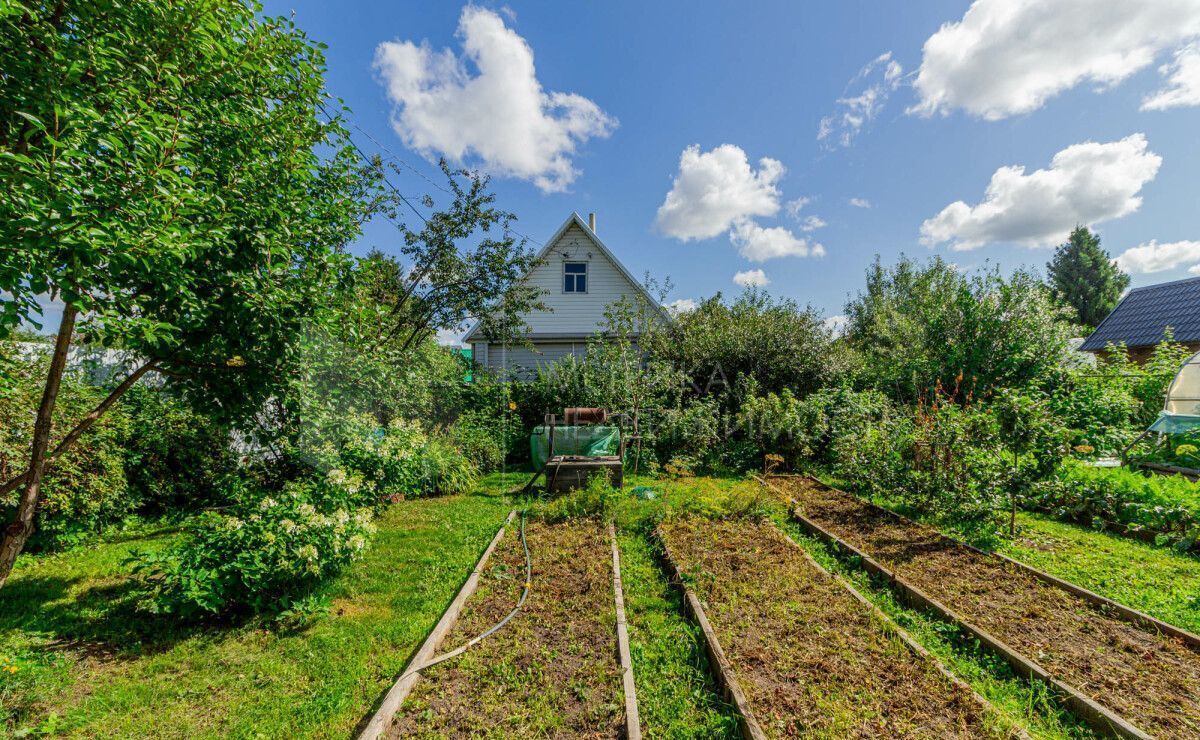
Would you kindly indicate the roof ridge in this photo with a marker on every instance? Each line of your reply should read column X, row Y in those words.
column 1166, row 284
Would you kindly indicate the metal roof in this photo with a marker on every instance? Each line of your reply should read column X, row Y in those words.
column 1142, row 316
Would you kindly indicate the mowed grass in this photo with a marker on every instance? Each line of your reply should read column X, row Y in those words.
column 89, row 665
column 677, row 697
column 1159, row 581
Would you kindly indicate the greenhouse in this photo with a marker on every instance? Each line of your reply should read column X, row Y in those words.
column 1181, row 412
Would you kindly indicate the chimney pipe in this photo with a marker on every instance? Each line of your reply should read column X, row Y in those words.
column 592, row 221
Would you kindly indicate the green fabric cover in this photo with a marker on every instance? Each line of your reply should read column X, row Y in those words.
column 589, row 441
column 1168, row 423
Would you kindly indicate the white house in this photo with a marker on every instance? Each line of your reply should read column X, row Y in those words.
column 579, row 278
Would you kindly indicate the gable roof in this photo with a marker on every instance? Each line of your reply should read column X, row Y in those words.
column 575, row 220
column 1141, row 317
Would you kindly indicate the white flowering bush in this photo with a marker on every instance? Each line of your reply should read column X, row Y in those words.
column 402, row 460
column 262, row 555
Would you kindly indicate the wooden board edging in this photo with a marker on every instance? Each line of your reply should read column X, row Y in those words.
column 748, row 725
column 894, row 627
column 1098, row 717
column 633, row 723
column 1125, row 613
column 411, row 674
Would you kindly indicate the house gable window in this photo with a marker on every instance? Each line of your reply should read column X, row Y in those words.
column 575, row 277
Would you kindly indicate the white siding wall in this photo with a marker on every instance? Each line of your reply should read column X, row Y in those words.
column 522, row 363
column 576, row 313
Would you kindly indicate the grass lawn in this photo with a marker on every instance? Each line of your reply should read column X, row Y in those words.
column 88, row 665
column 676, row 694
column 1156, row 580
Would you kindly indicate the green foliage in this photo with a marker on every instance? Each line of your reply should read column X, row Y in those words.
column 773, row 342
column 597, row 499
column 924, row 327
column 399, row 460
column 810, row 429
column 482, row 439
column 1167, row 508
column 85, row 490
column 175, row 458
column 941, row 460
column 1083, row 277
column 262, row 555
column 169, row 172
column 1106, row 406
column 691, row 432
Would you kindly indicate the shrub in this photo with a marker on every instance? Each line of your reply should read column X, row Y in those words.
column 482, row 439
column 941, row 460
column 1106, row 406
column 401, row 460
column 176, row 459
column 775, row 343
column 263, row 555
column 1167, row 508
column 691, row 431
column 810, row 428
column 921, row 326
column 84, row 490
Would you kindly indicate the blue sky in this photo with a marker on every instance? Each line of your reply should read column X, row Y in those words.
column 1112, row 85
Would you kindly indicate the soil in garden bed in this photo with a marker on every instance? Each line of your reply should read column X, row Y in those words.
column 1151, row 680
column 812, row 660
column 553, row 670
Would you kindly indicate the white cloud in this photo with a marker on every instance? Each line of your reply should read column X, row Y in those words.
column 812, row 223
column 795, row 205
column 450, row 337
column 751, row 279
column 860, row 202
column 1194, row 270
column 487, row 103
column 1183, row 81
column 714, row 189
column 759, row 244
column 871, row 88
column 1007, row 57
column 682, row 305
column 1155, row 257
column 837, row 324
column 1084, row 184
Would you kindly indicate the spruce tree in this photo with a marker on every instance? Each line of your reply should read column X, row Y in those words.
column 1083, row 277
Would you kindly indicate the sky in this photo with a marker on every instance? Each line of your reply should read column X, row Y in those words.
column 786, row 144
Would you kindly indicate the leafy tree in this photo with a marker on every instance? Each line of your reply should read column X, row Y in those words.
column 772, row 343
column 1034, row 440
column 166, row 173
column 1083, row 277
column 928, row 329
column 375, row 353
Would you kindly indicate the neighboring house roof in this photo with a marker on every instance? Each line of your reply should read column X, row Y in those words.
column 1143, row 315
column 576, row 220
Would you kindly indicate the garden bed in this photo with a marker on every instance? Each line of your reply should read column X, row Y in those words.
column 553, row 670
column 809, row 657
column 1150, row 680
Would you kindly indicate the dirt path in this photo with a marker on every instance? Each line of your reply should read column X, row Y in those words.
column 812, row 660
column 553, row 670
column 1151, row 680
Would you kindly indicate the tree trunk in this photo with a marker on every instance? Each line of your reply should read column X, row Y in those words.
column 18, row 531
column 84, row 424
